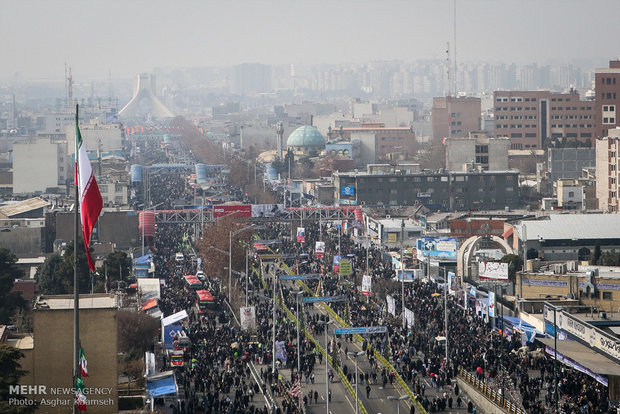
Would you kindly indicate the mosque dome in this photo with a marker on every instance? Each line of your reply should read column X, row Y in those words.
column 304, row 137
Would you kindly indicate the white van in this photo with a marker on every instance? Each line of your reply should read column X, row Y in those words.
column 179, row 257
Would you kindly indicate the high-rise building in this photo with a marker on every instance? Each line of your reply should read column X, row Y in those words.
column 530, row 118
column 455, row 117
column 607, row 85
column 607, row 160
column 40, row 165
column 252, row 78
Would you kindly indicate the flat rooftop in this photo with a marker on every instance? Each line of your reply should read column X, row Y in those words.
column 63, row 302
column 22, row 342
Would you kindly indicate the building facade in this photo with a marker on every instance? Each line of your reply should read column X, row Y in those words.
column 568, row 162
column 455, row 116
column 380, row 141
column 490, row 153
column 607, row 100
column 39, row 166
column 438, row 191
column 531, row 118
column 607, row 157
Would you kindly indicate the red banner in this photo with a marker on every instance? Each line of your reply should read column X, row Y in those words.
column 240, row 210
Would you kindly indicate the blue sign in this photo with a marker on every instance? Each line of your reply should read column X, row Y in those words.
column 170, row 332
column 347, row 190
column 439, row 247
column 300, row 277
column 324, row 299
column 360, row 331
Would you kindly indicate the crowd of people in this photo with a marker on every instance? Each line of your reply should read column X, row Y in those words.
column 216, row 376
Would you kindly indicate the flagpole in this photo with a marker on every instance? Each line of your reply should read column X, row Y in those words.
column 76, row 285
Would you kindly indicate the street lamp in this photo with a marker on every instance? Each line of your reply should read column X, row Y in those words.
column 398, row 400
column 402, row 269
column 327, row 323
column 356, row 354
column 297, row 295
column 230, row 234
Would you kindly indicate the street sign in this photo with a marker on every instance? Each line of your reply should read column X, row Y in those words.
column 324, row 299
column 300, row 277
column 270, row 256
column 360, row 331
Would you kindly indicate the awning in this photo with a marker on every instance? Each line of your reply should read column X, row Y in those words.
column 151, row 303
column 508, row 232
column 161, row 384
column 169, row 320
column 582, row 358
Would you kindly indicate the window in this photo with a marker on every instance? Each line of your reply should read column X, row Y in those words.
column 607, row 295
column 571, row 194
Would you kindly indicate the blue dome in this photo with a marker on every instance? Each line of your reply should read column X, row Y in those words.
column 306, row 136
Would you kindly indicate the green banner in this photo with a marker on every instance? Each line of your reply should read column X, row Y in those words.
column 346, row 267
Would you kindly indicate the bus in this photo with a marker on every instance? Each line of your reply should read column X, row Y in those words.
column 175, row 358
column 192, row 283
column 205, row 302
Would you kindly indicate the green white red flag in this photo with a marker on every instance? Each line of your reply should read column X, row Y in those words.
column 83, row 363
column 90, row 199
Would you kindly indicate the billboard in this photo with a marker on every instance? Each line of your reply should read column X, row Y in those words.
column 240, row 210
column 347, row 190
column 438, row 247
column 345, row 268
column 492, row 304
column 337, row 264
column 493, row 271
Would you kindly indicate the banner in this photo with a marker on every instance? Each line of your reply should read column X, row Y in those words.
column 169, row 320
column 267, row 210
column 491, row 304
column 346, row 267
column 301, row 235
column 239, row 210
column 337, row 264
column 281, row 351
column 409, row 318
column 367, row 285
column 319, row 249
column 391, row 305
column 248, row 318
column 493, row 270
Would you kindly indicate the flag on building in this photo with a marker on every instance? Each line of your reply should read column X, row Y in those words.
column 83, row 363
column 90, row 199
column 295, row 390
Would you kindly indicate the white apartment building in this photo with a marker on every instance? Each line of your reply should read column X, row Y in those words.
column 40, row 165
column 607, row 155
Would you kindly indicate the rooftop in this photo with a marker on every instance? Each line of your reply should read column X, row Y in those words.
column 20, row 207
column 305, row 136
column 572, row 226
column 65, row 302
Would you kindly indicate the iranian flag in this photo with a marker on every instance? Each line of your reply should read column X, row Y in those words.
column 83, row 363
column 90, row 199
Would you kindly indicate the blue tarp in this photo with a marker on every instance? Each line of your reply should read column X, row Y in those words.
column 143, row 260
column 161, row 384
column 521, row 326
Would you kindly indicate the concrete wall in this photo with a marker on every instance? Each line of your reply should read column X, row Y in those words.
column 480, row 401
column 23, row 241
column 53, row 353
column 39, row 165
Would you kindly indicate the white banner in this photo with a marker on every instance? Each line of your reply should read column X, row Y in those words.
column 391, row 305
column 175, row 317
column 410, row 318
column 248, row 318
column 367, row 285
column 493, row 270
column 492, row 304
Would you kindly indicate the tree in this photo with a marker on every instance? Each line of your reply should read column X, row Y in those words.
column 10, row 374
column 133, row 369
column 136, row 331
column 9, row 301
column 118, row 266
column 56, row 274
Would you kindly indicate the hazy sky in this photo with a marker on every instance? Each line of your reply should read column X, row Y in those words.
column 130, row 36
